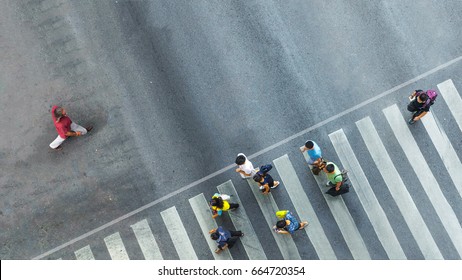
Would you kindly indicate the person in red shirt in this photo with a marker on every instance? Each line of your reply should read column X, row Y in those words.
column 65, row 127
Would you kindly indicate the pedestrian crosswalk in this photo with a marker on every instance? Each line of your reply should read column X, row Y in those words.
column 302, row 200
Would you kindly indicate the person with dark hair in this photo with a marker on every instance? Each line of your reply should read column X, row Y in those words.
column 314, row 153
column 420, row 102
column 334, row 176
column 245, row 167
column 219, row 204
column 225, row 238
column 65, row 127
column 265, row 181
column 288, row 224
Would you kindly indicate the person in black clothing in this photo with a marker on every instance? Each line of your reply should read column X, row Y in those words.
column 419, row 105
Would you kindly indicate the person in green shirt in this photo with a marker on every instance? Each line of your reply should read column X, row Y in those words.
column 334, row 175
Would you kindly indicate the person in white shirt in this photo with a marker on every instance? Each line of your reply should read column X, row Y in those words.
column 245, row 167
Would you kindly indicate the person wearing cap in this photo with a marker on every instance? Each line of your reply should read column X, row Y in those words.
column 65, row 127
column 288, row 224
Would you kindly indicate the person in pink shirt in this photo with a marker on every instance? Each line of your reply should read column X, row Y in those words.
column 65, row 127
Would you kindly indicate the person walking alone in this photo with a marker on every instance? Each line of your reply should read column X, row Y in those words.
column 420, row 103
column 65, row 127
column 314, row 153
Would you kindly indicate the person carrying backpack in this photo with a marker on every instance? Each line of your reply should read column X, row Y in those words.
column 420, row 102
column 219, row 204
column 264, row 180
column 288, row 224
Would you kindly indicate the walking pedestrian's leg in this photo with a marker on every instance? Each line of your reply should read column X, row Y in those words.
column 233, row 206
column 57, row 142
column 76, row 127
column 237, row 233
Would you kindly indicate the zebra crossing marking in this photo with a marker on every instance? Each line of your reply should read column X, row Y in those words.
column 303, row 208
column 178, row 234
column 445, row 149
column 398, row 190
column 146, row 240
column 344, row 221
column 203, row 214
column 269, row 207
column 84, row 253
column 366, row 196
column 116, row 247
column 425, row 175
column 450, row 94
column 241, row 222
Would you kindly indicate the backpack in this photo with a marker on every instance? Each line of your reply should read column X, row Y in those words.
column 432, row 95
column 265, row 168
column 281, row 214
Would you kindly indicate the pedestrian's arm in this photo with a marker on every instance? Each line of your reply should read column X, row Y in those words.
column 283, row 231
column 420, row 116
column 222, row 248
column 73, row 133
column 337, row 185
column 212, row 231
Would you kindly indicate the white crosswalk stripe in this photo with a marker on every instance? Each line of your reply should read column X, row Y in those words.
column 146, row 240
column 269, row 208
column 366, row 196
column 344, row 221
column 203, row 214
column 398, row 190
column 303, row 208
column 84, row 253
column 178, row 234
column 425, row 175
column 241, row 222
column 445, row 149
column 453, row 100
column 116, row 247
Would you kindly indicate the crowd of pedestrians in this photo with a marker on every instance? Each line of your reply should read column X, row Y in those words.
column 337, row 180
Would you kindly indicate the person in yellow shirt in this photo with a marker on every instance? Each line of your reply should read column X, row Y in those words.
column 219, row 204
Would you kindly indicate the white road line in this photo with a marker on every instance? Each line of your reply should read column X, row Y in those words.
column 203, row 215
column 146, row 240
column 453, row 100
column 445, row 149
column 424, row 174
column 84, row 253
column 366, row 196
column 398, row 190
column 303, row 208
column 269, row 208
column 224, row 169
column 116, row 247
column 178, row 234
column 344, row 220
column 241, row 222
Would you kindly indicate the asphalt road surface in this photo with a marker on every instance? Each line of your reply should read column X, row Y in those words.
column 175, row 89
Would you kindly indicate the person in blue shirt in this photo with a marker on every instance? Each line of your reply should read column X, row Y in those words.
column 225, row 238
column 289, row 224
column 314, row 152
